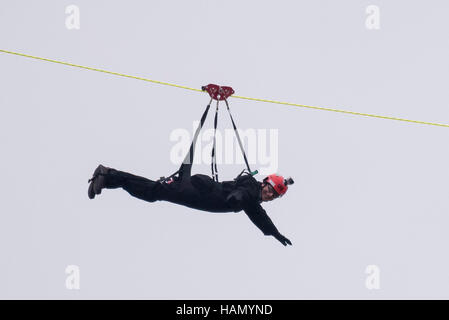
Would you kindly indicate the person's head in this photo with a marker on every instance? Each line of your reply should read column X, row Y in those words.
column 274, row 186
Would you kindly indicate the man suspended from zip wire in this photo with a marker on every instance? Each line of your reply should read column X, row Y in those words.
column 200, row 191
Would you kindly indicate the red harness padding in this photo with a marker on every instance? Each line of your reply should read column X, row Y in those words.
column 218, row 92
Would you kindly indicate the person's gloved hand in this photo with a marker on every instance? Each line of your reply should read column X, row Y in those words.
column 282, row 239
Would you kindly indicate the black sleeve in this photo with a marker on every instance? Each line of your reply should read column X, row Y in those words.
column 260, row 218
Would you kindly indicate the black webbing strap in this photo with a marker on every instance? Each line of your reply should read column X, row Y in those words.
column 186, row 166
column 213, row 163
column 238, row 137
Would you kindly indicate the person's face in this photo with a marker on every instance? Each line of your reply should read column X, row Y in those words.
column 268, row 193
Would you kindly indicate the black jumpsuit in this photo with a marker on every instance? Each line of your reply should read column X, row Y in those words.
column 200, row 192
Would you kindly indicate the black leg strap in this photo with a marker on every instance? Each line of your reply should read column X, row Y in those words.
column 186, row 167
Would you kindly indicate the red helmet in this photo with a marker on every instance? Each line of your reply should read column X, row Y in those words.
column 279, row 184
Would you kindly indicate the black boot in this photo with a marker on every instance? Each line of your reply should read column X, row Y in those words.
column 103, row 177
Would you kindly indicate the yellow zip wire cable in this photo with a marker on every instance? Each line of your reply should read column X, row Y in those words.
column 238, row 97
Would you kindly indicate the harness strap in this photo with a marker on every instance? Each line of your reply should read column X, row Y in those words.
column 218, row 93
column 238, row 137
column 213, row 154
column 186, row 167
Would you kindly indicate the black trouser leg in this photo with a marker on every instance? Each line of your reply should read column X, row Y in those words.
column 139, row 187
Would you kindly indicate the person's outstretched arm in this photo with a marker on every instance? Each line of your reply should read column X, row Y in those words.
column 260, row 218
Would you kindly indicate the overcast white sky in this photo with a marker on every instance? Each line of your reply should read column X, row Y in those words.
column 368, row 191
